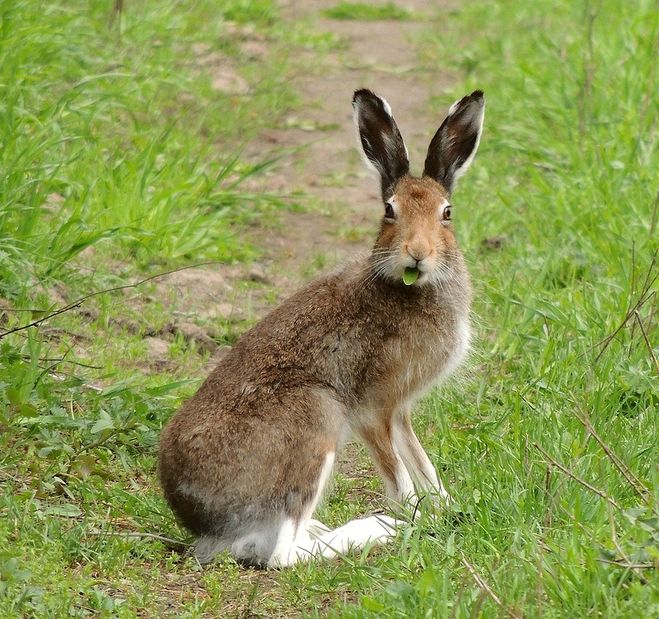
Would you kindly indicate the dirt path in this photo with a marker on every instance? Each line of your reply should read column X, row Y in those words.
column 315, row 146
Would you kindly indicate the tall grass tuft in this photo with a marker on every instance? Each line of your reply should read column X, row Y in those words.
column 110, row 134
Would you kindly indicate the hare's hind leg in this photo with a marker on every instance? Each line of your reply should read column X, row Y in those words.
column 354, row 535
column 315, row 528
column 295, row 538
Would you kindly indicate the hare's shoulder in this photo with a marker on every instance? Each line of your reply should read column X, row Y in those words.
column 321, row 299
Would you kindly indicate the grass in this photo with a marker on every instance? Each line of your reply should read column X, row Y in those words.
column 101, row 131
column 548, row 441
column 368, row 12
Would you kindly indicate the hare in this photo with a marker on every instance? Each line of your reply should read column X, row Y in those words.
column 244, row 462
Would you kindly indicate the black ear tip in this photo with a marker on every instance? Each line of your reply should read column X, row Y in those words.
column 362, row 93
column 476, row 98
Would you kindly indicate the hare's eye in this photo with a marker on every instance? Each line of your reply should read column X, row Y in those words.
column 389, row 211
column 446, row 213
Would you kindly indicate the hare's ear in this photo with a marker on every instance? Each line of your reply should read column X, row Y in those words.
column 454, row 146
column 383, row 148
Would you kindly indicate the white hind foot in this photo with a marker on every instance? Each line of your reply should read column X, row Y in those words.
column 358, row 533
column 354, row 535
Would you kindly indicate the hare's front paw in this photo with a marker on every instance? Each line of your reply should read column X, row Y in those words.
column 405, row 507
column 439, row 498
column 431, row 502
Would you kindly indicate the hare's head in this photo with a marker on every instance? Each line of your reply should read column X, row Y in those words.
column 416, row 244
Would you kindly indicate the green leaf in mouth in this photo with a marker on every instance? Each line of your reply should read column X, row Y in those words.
column 410, row 275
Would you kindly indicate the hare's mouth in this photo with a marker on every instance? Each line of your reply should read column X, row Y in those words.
column 410, row 275
column 415, row 276
column 423, row 274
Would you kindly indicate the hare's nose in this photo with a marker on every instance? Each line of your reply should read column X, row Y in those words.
column 418, row 252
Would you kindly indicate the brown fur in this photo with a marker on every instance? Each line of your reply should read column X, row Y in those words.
column 354, row 343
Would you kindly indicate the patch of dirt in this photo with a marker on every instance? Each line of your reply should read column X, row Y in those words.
column 216, row 295
column 158, row 353
column 224, row 76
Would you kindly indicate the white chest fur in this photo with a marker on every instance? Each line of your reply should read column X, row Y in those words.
column 420, row 362
column 460, row 348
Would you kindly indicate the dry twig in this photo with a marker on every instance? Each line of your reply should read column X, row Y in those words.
column 485, row 588
column 117, row 10
column 569, row 473
column 81, row 300
column 628, row 565
column 646, row 293
column 638, row 486
column 141, row 535
column 647, row 341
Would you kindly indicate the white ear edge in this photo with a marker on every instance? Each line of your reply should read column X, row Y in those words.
column 387, row 109
column 370, row 166
column 458, row 172
column 453, row 107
